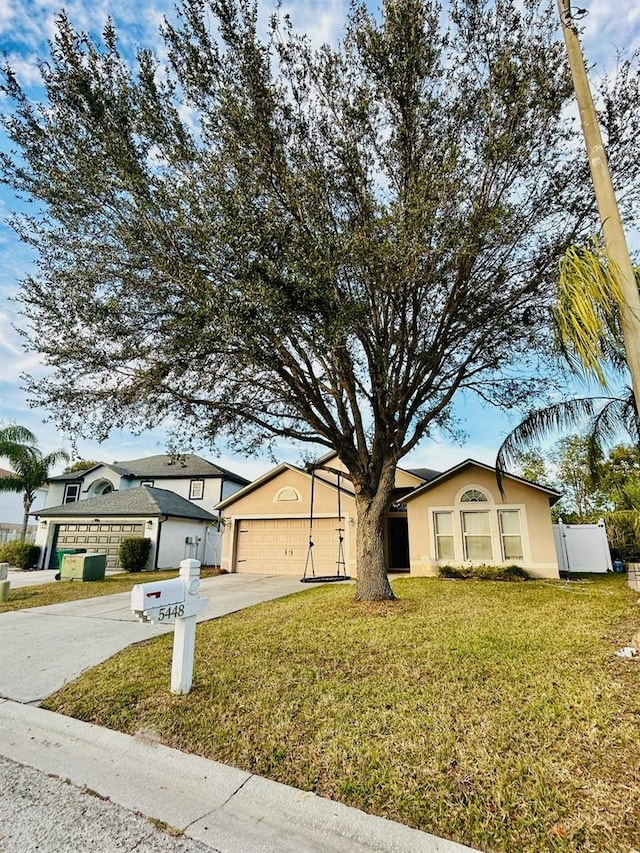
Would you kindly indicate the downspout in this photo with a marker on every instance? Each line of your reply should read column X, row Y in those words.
column 161, row 521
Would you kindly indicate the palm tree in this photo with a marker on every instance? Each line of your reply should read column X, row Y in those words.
column 589, row 339
column 30, row 467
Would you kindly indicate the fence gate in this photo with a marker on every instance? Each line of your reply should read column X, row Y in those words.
column 582, row 547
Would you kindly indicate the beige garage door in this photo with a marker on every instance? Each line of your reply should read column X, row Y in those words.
column 280, row 546
column 104, row 537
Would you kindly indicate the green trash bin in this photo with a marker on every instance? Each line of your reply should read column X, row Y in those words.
column 83, row 567
column 60, row 552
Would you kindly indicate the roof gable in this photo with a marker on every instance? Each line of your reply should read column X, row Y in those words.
column 345, row 485
column 469, row 463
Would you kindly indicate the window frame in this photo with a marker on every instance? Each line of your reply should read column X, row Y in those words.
column 67, row 489
column 193, row 489
column 467, row 535
column 496, row 536
column 438, row 536
column 501, row 513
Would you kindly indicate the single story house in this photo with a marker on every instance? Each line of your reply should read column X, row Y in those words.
column 462, row 517
column 192, row 477
column 177, row 528
column 457, row 517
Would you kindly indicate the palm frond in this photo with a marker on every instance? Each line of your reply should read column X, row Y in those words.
column 15, row 435
column 541, row 423
column 11, row 484
column 586, row 314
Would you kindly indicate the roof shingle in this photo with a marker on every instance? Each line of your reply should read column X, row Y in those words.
column 140, row 501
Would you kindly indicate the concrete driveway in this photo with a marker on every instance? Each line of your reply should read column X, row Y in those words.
column 45, row 647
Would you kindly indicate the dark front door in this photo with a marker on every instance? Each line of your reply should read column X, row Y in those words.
column 398, row 538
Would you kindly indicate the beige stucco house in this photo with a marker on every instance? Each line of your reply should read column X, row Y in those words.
column 454, row 517
column 461, row 517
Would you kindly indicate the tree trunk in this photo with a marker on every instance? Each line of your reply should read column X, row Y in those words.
column 373, row 583
column 27, row 503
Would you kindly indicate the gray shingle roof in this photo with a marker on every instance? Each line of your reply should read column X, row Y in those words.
column 163, row 465
column 140, row 501
column 425, row 474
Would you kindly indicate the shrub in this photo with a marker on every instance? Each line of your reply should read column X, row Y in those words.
column 133, row 553
column 24, row 555
column 460, row 572
column 485, row 572
column 516, row 573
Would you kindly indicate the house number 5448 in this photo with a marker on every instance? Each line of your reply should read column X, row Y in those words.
column 165, row 613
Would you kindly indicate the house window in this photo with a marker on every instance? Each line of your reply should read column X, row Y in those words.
column 71, row 493
column 147, row 483
column 196, row 490
column 288, row 493
column 443, row 523
column 510, row 534
column 473, row 496
column 476, row 535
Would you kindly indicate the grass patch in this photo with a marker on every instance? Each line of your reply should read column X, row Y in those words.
column 57, row 592
column 493, row 714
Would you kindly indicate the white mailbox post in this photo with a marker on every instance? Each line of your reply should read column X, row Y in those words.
column 174, row 601
column 4, row 583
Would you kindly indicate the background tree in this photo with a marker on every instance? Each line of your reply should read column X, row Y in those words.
column 619, row 477
column 580, row 486
column 30, row 467
column 272, row 241
column 80, row 465
column 532, row 465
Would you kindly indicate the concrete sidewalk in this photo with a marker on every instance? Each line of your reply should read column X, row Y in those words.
column 216, row 807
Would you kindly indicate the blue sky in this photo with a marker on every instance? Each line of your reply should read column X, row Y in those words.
column 25, row 26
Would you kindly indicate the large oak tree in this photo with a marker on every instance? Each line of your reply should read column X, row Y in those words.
column 265, row 240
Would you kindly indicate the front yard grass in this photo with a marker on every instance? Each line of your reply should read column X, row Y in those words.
column 490, row 713
column 57, row 592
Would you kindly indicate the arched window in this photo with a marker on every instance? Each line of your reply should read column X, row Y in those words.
column 288, row 493
column 100, row 487
column 473, row 496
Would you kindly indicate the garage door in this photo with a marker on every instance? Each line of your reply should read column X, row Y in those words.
column 280, row 546
column 104, row 537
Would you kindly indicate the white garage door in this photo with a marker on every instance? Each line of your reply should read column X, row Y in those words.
column 280, row 546
column 103, row 537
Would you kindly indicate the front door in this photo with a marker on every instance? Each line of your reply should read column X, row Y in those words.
column 398, row 543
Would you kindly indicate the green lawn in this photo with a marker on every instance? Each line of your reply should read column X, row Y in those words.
column 57, row 592
column 491, row 713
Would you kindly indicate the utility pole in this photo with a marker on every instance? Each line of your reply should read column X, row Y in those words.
column 613, row 232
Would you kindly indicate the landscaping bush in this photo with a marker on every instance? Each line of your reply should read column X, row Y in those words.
column 516, row 573
column 23, row 555
column 485, row 572
column 460, row 572
column 133, row 553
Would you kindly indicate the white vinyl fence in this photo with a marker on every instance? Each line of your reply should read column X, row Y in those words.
column 582, row 547
column 10, row 534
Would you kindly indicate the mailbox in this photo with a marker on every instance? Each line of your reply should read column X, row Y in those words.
column 174, row 601
column 166, row 601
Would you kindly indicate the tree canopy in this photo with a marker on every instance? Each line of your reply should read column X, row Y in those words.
column 268, row 240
